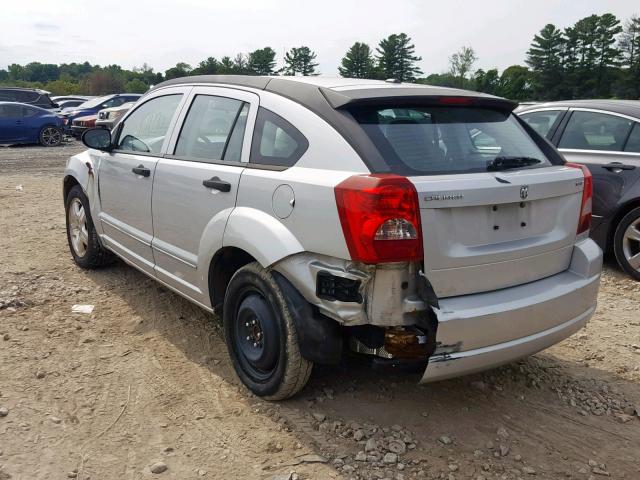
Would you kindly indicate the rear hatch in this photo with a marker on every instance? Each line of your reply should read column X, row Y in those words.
column 495, row 210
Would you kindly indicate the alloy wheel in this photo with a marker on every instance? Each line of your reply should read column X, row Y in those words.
column 78, row 231
column 631, row 244
column 51, row 136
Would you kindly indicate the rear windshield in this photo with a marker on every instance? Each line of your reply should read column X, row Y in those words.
column 441, row 140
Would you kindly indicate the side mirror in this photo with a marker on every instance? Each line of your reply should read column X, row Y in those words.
column 98, row 138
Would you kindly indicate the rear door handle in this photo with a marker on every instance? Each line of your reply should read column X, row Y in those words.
column 217, row 184
column 141, row 170
column 618, row 166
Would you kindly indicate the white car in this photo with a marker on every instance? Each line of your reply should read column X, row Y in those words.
column 109, row 117
column 417, row 225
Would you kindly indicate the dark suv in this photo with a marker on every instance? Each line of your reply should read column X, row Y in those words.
column 32, row 96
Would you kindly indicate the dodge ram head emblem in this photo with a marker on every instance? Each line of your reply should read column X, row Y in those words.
column 524, row 192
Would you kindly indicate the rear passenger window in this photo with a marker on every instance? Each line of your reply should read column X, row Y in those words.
column 146, row 128
column 275, row 141
column 633, row 143
column 213, row 129
column 541, row 122
column 595, row 131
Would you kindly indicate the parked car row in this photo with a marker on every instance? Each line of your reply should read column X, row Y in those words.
column 31, row 116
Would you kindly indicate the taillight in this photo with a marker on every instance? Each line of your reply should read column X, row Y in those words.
column 587, row 198
column 380, row 218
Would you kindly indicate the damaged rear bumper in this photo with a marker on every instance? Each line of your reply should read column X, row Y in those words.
column 482, row 331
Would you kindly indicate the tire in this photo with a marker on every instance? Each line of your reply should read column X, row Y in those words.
column 84, row 244
column 50, row 136
column 626, row 243
column 261, row 336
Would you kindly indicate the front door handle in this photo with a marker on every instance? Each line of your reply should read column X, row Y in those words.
column 217, row 184
column 141, row 170
column 618, row 166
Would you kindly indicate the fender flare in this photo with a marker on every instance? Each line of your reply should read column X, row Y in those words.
column 260, row 235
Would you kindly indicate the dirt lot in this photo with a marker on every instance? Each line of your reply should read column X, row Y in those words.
column 145, row 378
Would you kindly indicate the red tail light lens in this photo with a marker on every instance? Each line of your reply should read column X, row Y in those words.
column 380, row 218
column 587, row 198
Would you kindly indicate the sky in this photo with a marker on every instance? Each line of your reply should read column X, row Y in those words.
column 160, row 33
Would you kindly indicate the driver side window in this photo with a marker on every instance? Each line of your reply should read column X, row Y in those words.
column 146, row 128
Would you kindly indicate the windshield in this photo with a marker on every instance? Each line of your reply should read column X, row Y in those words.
column 441, row 140
column 95, row 102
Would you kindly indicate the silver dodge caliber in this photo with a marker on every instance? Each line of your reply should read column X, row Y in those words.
column 423, row 227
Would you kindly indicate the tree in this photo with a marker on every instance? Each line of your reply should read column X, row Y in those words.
column 544, row 59
column 515, row 83
column 396, row 58
column 487, row 82
column 358, row 62
column 630, row 47
column 136, row 86
column 240, row 64
column 438, row 80
column 180, row 70
column 102, row 82
column 300, row 61
column 262, row 61
column 461, row 63
column 210, row 66
column 608, row 54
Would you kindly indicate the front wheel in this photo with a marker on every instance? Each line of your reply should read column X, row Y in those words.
column 626, row 243
column 81, row 234
column 261, row 336
column 50, row 136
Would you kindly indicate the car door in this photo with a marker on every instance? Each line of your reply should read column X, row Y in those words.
column 126, row 176
column 10, row 122
column 598, row 140
column 196, row 184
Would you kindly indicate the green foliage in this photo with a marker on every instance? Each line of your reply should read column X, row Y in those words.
column 461, row 63
column 135, row 86
column 358, row 62
column 262, row 61
column 300, row 61
column 180, row 70
column 396, row 58
column 544, row 58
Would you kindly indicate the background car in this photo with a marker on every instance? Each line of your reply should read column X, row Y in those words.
column 81, row 124
column 93, row 106
column 63, row 98
column 32, row 96
column 20, row 123
column 69, row 104
column 604, row 135
column 109, row 117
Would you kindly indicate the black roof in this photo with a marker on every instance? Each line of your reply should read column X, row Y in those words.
column 624, row 107
column 342, row 92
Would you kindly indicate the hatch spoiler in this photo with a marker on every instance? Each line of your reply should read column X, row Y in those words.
column 413, row 96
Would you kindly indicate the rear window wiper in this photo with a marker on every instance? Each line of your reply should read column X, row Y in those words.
column 505, row 163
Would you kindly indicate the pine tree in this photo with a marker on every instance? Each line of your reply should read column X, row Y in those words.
column 544, row 58
column 608, row 54
column 358, row 62
column 300, row 61
column 262, row 61
column 630, row 48
column 396, row 58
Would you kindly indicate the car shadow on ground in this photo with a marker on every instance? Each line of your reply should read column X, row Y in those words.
column 544, row 402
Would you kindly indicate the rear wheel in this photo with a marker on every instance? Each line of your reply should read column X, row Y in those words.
column 261, row 336
column 81, row 234
column 50, row 136
column 626, row 243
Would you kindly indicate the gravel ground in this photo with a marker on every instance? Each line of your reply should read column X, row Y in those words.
column 142, row 387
